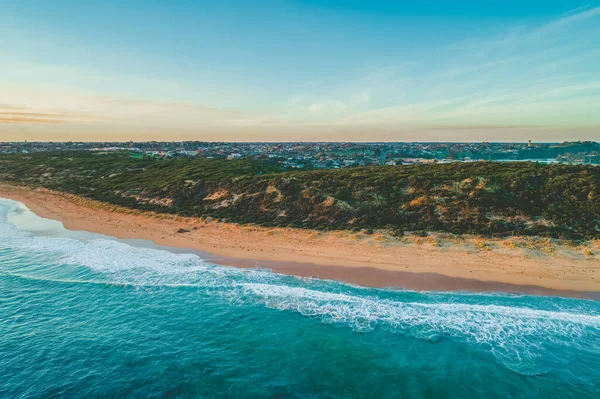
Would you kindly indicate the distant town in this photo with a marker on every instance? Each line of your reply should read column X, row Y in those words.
column 327, row 155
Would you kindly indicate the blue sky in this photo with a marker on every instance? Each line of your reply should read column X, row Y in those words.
column 299, row 70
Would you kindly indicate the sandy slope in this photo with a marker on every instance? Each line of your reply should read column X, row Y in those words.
column 359, row 258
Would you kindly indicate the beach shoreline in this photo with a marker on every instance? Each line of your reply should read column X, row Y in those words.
column 371, row 260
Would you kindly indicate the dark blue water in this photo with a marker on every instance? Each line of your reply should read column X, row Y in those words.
column 83, row 316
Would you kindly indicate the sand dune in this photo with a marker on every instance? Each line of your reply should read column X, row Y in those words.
column 375, row 260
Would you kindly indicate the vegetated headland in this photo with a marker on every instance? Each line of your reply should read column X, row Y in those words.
column 518, row 222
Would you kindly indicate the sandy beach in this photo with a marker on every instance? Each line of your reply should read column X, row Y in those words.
column 438, row 261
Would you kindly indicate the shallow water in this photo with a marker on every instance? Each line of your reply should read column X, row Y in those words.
column 83, row 315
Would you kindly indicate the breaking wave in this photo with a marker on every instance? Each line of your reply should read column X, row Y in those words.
column 516, row 329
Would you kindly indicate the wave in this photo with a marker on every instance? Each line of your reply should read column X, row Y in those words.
column 513, row 328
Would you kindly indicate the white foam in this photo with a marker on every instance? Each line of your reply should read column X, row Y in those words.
column 481, row 322
column 518, row 329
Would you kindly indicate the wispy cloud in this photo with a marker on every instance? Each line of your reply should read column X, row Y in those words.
column 528, row 75
column 30, row 117
column 36, row 106
column 524, row 76
column 13, row 115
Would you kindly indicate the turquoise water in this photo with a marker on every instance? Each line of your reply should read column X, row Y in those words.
column 85, row 316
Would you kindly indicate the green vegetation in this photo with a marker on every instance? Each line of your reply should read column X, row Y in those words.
column 497, row 199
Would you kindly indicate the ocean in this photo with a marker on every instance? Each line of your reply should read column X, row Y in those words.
column 88, row 316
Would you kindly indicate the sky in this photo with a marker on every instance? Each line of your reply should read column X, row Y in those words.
column 234, row 70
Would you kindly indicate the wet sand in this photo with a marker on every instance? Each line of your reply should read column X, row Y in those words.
column 372, row 260
column 378, row 278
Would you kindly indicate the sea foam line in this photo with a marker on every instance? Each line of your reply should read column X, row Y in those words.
column 514, row 328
